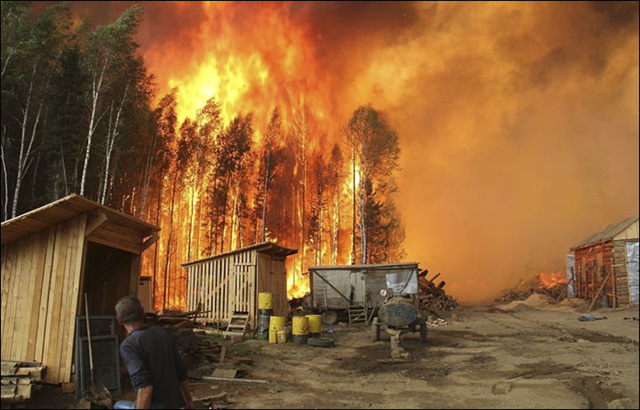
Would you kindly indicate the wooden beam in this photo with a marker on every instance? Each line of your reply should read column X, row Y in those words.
column 114, row 244
column 150, row 241
column 595, row 299
column 95, row 223
column 134, row 274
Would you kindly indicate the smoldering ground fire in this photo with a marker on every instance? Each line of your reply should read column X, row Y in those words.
column 517, row 125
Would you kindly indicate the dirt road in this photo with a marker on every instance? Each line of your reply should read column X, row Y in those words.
column 489, row 359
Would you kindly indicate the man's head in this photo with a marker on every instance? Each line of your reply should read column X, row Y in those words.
column 129, row 311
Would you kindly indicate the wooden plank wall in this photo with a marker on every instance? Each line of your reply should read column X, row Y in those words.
column 272, row 278
column 592, row 266
column 232, row 282
column 621, row 273
column 40, row 285
column 211, row 283
column 145, row 294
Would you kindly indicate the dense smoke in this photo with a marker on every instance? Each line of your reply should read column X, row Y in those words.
column 518, row 122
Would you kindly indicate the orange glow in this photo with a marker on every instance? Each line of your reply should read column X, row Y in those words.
column 551, row 279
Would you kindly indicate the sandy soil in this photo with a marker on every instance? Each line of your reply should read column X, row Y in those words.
column 531, row 358
column 520, row 356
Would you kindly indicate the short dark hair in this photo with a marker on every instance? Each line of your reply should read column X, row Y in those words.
column 129, row 310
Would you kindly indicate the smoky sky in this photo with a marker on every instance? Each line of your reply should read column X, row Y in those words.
column 518, row 122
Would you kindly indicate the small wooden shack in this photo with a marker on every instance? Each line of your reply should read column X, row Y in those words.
column 50, row 257
column 231, row 282
column 609, row 254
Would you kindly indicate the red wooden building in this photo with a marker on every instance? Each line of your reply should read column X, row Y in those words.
column 608, row 256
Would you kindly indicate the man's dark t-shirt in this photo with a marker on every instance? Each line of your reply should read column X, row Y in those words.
column 152, row 360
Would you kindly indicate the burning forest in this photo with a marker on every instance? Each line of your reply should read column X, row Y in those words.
column 336, row 204
column 353, row 134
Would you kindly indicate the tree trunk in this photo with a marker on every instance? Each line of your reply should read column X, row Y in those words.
column 363, row 227
column 5, row 186
column 267, row 175
column 168, row 250
column 111, row 139
column 93, row 122
column 353, row 230
column 157, row 244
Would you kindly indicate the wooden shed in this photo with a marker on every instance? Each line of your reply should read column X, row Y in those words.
column 608, row 256
column 50, row 257
column 231, row 282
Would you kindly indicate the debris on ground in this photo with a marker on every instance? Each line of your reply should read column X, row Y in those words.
column 19, row 379
column 218, row 400
column 591, row 318
column 553, row 287
column 437, row 322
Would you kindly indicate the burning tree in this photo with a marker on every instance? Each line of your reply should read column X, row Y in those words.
column 375, row 153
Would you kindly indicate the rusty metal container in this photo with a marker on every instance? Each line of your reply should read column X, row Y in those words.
column 398, row 312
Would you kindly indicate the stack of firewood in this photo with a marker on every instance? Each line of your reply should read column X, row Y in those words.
column 19, row 379
column 194, row 346
column 432, row 296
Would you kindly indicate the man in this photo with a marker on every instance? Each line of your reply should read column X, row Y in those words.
column 157, row 373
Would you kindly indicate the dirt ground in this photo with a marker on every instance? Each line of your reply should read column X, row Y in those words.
column 519, row 357
column 527, row 358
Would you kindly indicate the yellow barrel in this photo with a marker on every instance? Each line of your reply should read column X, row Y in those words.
column 281, row 336
column 273, row 337
column 300, row 325
column 315, row 324
column 276, row 323
column 265, row 300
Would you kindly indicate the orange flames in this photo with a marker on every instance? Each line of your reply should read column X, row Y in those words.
column 251, row 59
column 551, row 279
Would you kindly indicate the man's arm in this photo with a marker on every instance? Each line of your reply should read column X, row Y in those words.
column 186, row 393
column 143, row 400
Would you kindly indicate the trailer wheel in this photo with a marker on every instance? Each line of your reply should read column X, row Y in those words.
column 375, row 330
column 423, row 331
column 329, row 317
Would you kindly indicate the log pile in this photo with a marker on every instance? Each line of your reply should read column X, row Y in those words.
column 432, row 296
column 556, row 292
column 19, row 379
column 194, row 347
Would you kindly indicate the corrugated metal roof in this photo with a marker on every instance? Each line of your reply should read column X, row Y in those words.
column 605, row 234
column 367, row 267
column 62, row 210
column 264, row 247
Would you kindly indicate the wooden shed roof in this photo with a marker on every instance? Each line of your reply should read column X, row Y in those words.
column 62, row 210
column 607, row 233
column 380, row 266
column 263, row 247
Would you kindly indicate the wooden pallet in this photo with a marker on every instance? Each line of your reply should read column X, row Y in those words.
column 358, row 314
column 237, row 325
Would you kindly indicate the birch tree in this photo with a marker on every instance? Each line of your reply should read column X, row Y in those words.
column 34, row 60
column 106, row 48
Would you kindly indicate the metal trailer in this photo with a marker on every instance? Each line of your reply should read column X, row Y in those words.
column 355, row 291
